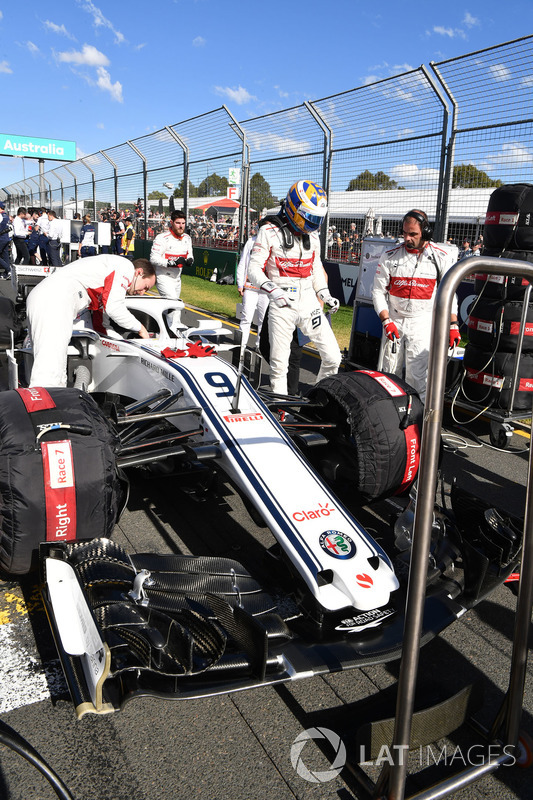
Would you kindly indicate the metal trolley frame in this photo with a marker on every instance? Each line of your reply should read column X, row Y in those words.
column 505, row 729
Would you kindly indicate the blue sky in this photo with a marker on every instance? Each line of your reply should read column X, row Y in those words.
column 99, row 74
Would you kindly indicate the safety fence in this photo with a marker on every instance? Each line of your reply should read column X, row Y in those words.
column 437, row 138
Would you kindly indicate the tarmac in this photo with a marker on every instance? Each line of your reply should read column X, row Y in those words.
column 243, row 746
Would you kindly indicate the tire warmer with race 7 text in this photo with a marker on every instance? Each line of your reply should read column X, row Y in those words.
column 58, row 476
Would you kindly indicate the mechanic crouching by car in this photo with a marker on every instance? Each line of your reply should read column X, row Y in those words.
column 171, row 251
column 97, row 283
column 285, row 263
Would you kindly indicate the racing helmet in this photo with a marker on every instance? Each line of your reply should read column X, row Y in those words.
column 306, row 206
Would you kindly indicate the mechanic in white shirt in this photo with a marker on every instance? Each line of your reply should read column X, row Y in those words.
column 171, row 251
column 54, row 239
column 20, row 236
column 44, row 228
column 96, row 283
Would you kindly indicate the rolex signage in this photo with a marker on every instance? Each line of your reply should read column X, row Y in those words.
column 32, row 147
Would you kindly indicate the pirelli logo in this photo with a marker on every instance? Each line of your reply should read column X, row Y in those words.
column 251, row 417
column 501, row 218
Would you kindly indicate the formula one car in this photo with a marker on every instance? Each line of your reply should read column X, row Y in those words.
column 329, row 596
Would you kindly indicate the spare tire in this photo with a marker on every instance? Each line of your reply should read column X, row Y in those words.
column 488, row 376
column 375, row 446
column 58, row 476
column 495, row 325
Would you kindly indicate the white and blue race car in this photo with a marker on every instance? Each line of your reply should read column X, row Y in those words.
column 181, row 408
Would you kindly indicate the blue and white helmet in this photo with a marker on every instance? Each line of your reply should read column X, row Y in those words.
column 306, row 205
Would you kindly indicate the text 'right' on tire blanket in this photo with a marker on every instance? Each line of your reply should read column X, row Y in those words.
column 375, row 447
column 58, row 476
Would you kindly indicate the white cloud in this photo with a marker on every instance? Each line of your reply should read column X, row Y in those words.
column 278, row 144
column 104, row 83
column 469, row 20
column 140, row 46
column 100, row 21
column 199, row 41
column 444, row 31
column 32, row 47
column 4, row 67
column 527, row 81
column 1, row 15
column 500, row 72
column 239, row 96
column 88, row 56
column 412, row 174
column 100, row 125
column 60, row 29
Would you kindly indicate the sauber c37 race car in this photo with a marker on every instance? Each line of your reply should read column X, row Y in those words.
column 328, row 595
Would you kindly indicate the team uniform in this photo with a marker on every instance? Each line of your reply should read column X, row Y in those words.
column 166, row 250
column 300, row 274
column 88, row 240
column 405, row 285
column 252, row 297
column 97, row 283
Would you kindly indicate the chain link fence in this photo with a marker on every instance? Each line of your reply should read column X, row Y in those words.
column 438, row 138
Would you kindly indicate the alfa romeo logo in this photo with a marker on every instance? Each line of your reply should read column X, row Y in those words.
column 337, row 544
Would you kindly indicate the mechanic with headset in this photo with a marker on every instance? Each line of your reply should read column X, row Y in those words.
column 171, row 251
column 285, row 263
column 96, row 283
column 403, row 294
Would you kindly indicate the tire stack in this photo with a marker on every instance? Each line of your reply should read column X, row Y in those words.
column 495, row 317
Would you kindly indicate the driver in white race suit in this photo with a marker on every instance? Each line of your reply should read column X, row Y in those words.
column 285, row 263
column 403, row 294
column 171, row 251
column 96, row 283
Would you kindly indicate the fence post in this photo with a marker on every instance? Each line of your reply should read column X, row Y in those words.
column 115, row 176
column 145, row 183
column 185, row 149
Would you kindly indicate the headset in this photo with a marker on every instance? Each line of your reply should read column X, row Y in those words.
column 427, row 231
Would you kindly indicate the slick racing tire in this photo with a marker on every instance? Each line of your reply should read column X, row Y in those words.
column 374, row 448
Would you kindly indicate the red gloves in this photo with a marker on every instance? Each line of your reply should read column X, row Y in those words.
column 391, row 331
column 455, row 336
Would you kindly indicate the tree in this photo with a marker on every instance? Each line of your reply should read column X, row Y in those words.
column 213, row 186
column 155, row 195
column 467, row 176
column 178, row 191
column 260, row 194
column 368, row 181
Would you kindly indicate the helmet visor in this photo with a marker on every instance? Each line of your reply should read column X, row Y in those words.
column 312, row 221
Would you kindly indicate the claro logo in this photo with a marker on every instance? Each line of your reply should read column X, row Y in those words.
column 315, row 513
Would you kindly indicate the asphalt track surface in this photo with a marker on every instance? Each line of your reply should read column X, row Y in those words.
column 238, row 747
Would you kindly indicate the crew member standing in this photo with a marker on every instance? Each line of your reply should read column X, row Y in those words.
column 403, row 294
column 171, row 251
column 5, row 242
column 286, row 265
column 128, row 239
column 54, row 239
column 252, row 298
column 97, row 283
